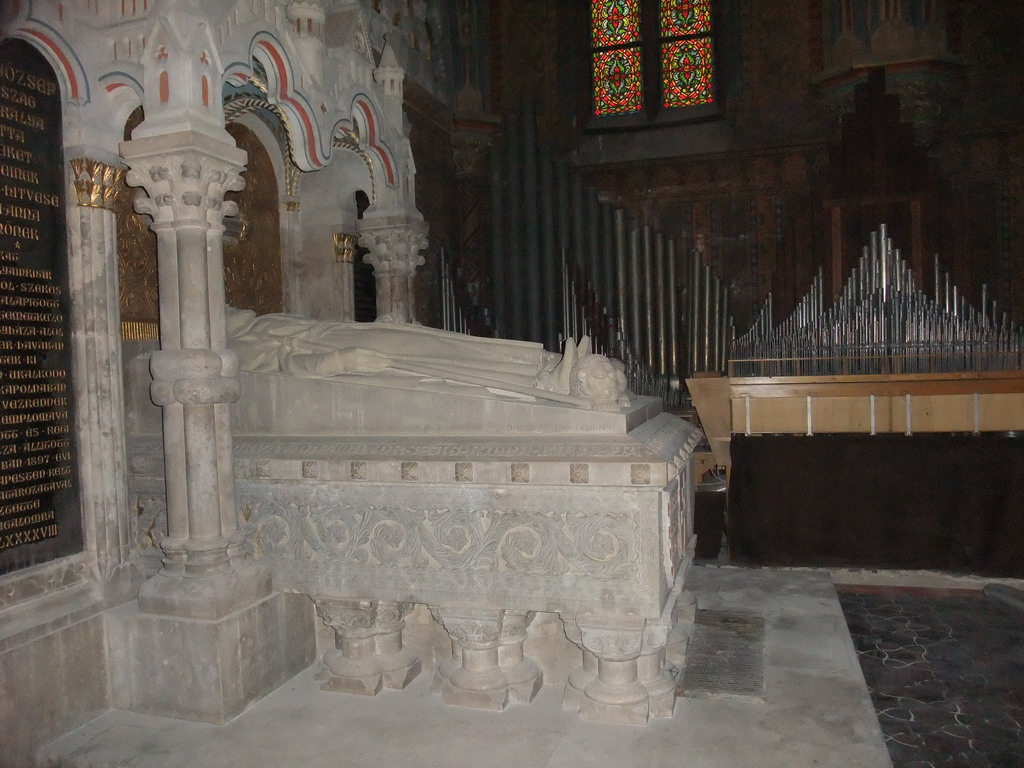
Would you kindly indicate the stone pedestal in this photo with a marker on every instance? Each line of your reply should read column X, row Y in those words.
column 474, row 678
column 522, row 675
column 368, row 653
column 203, row 670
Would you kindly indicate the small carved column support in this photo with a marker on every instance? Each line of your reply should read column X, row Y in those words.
column 652, row 671
column 345, row 251
column 368, row 653
column 96, row 347
column 394, row 244
column 351, row 666
column 476, row 680
column 184, row 176
column 616, row 695
column 523, row 676
column 398, row 665
column 582, row 676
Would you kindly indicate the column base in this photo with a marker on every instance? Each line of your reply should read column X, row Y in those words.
column 524, row 680
column 209, row 597
column 359, row 676
column 399, row 669
column 620, row 707
column 456, row 693
column 209, row 671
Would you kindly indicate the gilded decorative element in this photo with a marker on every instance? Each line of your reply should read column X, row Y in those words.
column 136, row 266
column 345, row 249
column 252, row 265
column 96, row 183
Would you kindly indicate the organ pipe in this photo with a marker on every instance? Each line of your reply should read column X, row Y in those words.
column 881, row 323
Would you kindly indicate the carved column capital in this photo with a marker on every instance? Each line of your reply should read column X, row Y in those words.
column 394, row 243
column 348, row 617
column 95, row 182
column 184, row 176
column 473, row 629
column 394, row 248
column 614, row 640
column 345, row 249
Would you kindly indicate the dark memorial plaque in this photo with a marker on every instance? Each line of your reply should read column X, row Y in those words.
column 39, row 513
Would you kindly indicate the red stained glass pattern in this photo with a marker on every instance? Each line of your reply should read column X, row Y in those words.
column 685, row 17
column 614, row 22
column 617, row 82
column 687, row 73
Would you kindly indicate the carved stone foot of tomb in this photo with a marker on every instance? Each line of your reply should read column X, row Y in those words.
column 475, row 677
column 522, row 675
column 580, row 677
column 653, row 673
column 679, row 636
column 399, row 666
column 616, row 694
column 368, row 653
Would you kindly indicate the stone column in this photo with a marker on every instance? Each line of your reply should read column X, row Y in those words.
column 616, row 695
column 96, row 347
column 477, row 679
column 394, row 243
column 522, row 675
column 204, row 574
column 208, row 636
column 368, row 653
column 345, row 252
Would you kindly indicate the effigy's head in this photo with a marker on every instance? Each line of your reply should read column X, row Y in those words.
column 596, row 378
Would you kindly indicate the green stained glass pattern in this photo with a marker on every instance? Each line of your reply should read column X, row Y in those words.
column 617, row 82
column 685, row 17
column 614, row 22
column 687, row 73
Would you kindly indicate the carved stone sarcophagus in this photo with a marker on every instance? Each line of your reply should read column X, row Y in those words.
column 485, row 507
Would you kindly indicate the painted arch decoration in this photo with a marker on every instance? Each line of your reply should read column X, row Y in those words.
column 61, row 56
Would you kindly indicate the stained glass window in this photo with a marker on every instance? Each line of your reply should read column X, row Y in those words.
column 617, row 82
column 648, row 55
column 615, row 22
column 685, row 17
column 687, row 73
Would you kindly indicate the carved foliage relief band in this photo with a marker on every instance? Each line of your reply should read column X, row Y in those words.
column 317, row 528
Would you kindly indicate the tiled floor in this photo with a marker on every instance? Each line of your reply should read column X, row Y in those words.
column 946, row 673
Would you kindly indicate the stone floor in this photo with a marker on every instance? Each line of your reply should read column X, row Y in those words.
column 946, row 672
column 813, row 710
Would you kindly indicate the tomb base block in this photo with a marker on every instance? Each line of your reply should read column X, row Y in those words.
column 207, row 670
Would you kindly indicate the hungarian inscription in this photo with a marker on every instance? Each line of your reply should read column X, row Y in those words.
column 39, row 516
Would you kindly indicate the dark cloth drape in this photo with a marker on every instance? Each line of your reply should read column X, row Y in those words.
column 944, row 502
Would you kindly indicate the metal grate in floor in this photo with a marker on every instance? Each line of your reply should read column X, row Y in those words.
column 725, row 656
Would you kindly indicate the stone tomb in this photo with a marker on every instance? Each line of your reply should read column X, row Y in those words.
column 371, row 499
